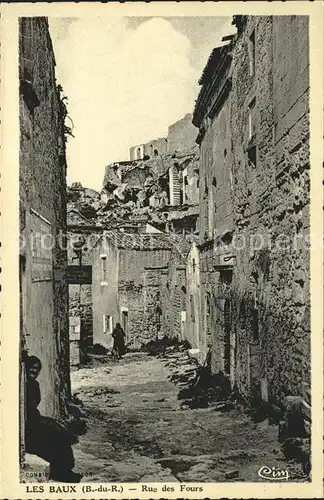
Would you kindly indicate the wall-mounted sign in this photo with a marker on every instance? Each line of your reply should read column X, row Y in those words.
column 79, row 275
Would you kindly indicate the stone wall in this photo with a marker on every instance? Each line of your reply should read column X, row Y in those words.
column 254, row 208
column 174, row 297
column 42, row 175
column 135, row 288
column 153, row 284
column 80, row 295
column 153, row 148
column 193, row 329
column 271, row 283
column 182, row 135
column 191, row 183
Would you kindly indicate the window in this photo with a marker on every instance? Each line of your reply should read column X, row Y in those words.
column 183, row 298
column 226, row 276
column 193, row 265
column 252, row 53
column 103, row 262
column 192, row 308
column 208, row 308
column 251, row 119
column 107, row 323
column 252, row 155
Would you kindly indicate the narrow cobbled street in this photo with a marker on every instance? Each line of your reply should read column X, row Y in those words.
column 138, row 429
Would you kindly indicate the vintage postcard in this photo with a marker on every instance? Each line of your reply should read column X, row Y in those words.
column 161, row 250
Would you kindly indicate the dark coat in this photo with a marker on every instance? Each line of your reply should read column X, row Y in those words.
column 119, row 340
column 43, row 435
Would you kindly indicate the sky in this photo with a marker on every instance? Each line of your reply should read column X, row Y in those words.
column 127, row 80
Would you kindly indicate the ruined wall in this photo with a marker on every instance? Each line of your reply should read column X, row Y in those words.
column 132, row 289
column 271, row 281
column 174, row 297
column 42, row 176
column 191, row 183
column 182, row 135
column 136, row 152
column 136, row 177
column 156, row 147
column 153, row 284
column 152, row 148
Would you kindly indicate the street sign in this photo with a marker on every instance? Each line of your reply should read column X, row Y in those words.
column 79, row 275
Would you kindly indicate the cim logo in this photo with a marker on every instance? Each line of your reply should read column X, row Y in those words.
column 273, row 473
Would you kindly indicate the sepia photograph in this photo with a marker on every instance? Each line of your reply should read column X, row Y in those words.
column 164, row 252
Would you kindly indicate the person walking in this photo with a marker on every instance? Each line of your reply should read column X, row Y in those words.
column 119, row 335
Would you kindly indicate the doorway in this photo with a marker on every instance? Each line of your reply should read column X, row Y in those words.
column 124, row 320
column 227, row 335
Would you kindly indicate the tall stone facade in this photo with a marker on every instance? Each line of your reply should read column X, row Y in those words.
column 42, row 175
column 253, row 119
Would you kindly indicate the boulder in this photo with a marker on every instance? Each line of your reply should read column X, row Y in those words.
column 297, row 417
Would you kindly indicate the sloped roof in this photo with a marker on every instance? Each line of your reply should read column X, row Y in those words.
column 138, row 241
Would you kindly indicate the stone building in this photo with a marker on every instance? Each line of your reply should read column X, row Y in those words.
column 42, row 175
column 127, row 268
column 253, row 118
column 213, row 116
